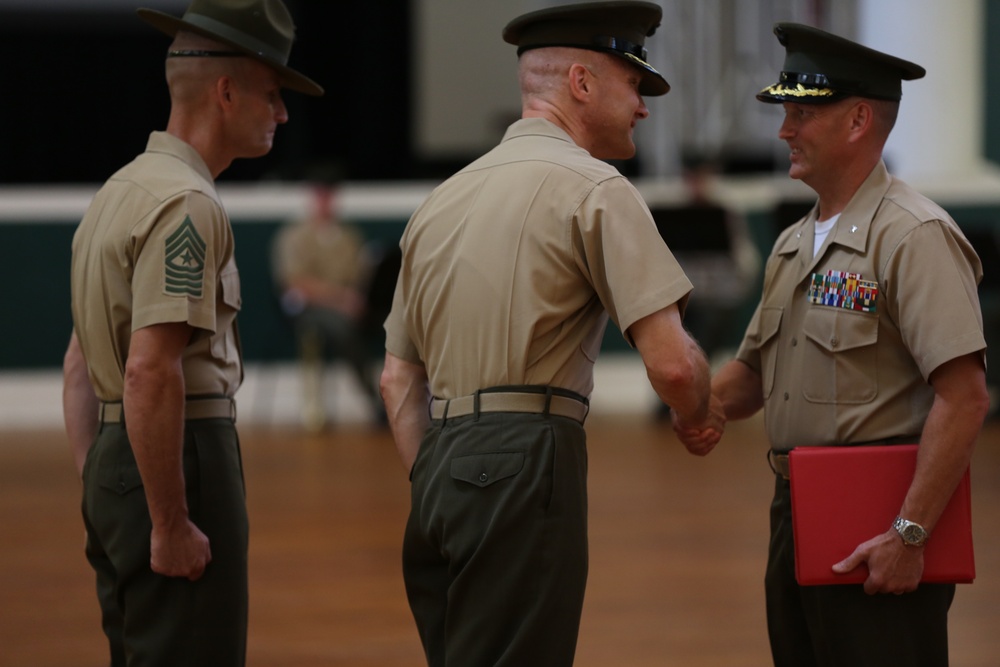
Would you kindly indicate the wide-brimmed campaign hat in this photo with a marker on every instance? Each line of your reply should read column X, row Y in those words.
column 821, row 67
column 619, row 27
column 261, row 29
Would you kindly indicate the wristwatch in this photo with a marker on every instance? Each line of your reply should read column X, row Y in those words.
column 913, row 534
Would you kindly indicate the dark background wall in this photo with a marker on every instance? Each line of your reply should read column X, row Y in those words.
column 82, row 89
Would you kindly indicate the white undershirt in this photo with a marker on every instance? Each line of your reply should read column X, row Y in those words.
column 822, row 231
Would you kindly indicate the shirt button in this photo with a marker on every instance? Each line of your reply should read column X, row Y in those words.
column 483, row 477
column 786, row 395
column 795, row 341
column 834, row 342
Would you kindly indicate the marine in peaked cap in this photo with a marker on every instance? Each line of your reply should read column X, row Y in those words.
column 618, row 27
column 260, row 29
column 821, row 68
column 884, row 282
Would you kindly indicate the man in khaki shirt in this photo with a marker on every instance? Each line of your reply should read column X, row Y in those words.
column 322, row 269
column 154, row 359
column 510, row 272
column 869, row 331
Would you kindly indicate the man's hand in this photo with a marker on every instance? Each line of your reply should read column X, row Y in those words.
column 893, row 567
column 700, row 439
column 179, row 551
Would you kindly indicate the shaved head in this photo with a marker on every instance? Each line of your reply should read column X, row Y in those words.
column 543, row 72
column 189, row 79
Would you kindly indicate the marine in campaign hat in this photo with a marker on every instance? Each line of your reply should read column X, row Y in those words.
column 618, row 27
column 821, row 68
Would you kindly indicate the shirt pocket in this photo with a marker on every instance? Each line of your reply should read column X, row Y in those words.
column 224, row 345
column 230, row 280
column 769, row 322
column 840, row 362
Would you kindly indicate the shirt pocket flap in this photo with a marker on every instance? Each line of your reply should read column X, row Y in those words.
column 230, row 279
column 769, row 324
column 484, row 469
column 838, row 329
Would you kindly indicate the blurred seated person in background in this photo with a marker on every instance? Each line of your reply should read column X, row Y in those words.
column 321, row 268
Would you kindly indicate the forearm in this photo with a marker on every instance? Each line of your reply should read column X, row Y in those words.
column 675, row 366
column 738, row 387
column 154, row 418
column 684, row 384
column 406, row 395
column 79, row 404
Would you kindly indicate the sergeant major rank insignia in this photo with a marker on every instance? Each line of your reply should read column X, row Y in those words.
column 184, row 263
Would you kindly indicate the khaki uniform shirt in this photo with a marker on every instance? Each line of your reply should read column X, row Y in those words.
column 512, row 266
column 849, row 362
column 156, row 246
column 328, row 251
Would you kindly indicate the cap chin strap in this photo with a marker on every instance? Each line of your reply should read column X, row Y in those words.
column 197, row 53
column 621, row 46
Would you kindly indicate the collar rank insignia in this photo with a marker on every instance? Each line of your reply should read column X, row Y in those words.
column 184, row 263
column 840, row 289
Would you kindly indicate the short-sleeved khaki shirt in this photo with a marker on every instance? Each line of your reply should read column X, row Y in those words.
column 846, row 341
column 156, row 246
column 513, row 265
column 325, row 250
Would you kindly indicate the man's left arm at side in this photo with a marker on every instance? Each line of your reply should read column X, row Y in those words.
column 406, row 394
column 961, row 403
column 79, row 403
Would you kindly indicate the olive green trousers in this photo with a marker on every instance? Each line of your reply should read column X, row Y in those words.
column 495, row 549
column 150, row 619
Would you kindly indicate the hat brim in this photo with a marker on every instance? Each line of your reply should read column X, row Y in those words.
column 653, row 83
column 170, row 25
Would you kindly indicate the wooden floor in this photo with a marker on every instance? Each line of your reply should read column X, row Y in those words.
column 677, row 552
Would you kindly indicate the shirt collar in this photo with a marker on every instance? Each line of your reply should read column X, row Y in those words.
column 164, row 142
column 856, row 218
column 536, row 127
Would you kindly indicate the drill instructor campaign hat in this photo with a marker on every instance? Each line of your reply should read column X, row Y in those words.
column 821, row 68
column 261, row 29
column 619, row 27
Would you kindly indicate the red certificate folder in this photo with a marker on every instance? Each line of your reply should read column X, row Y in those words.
column 843, row 496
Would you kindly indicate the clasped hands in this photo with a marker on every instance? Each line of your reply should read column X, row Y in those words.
column 701, row 437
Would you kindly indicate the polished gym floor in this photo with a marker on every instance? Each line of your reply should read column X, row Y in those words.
column 678, row 546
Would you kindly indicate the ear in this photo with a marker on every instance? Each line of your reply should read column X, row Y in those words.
column 580, row 82
column 861, row 119
column 225, row 92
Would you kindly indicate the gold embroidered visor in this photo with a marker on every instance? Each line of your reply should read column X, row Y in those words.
column 821, row 67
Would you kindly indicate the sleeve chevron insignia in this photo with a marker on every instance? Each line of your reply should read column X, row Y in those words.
column 184, row 261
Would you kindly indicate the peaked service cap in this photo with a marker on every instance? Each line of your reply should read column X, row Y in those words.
column 618, row 27
column 821, row 67
column 261, row 29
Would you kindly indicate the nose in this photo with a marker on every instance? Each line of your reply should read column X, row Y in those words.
column 642, row 112
column 787, row 129
column 280, row 112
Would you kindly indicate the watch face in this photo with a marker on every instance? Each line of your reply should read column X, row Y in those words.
column 912, row 533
